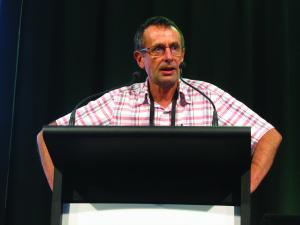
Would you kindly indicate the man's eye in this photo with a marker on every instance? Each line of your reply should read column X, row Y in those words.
column 158, row 49
column 174, row 47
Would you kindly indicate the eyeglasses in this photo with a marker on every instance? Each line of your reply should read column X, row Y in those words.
column 159, row 50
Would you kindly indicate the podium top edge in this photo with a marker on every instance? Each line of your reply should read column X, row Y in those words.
column 190, row 129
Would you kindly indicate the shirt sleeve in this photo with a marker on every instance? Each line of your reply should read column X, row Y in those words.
column 232, row 112
column 96, row 113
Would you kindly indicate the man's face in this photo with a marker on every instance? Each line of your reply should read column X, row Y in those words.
column 162, row 70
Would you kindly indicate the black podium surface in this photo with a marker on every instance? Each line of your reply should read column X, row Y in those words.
column 162, row 165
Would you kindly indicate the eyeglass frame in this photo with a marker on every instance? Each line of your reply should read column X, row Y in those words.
column 148, row 50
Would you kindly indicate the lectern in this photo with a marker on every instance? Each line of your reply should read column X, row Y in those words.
column 162, row 165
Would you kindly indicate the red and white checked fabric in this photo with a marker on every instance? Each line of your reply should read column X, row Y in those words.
column 130, row 106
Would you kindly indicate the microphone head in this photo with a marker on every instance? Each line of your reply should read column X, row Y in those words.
column 182, row 65
column 136, row 75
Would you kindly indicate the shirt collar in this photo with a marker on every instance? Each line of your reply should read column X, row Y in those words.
column 183, row 98
column 184, row 93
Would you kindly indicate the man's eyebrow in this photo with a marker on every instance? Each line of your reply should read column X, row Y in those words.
column 172, row 43
column 158, row 44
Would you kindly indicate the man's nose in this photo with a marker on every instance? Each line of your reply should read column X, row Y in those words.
column 168, row 54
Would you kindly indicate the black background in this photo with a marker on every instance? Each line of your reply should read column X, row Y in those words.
column 70, row 49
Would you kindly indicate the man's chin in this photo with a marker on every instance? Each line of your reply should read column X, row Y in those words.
column 168, row 81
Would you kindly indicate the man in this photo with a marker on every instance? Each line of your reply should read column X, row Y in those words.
column 165, row 100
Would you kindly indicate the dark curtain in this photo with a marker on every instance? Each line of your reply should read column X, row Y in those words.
column 71, row 49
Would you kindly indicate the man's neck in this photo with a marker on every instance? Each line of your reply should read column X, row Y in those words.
column 163, row 95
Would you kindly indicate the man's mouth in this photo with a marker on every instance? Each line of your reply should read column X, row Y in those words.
column 167, row 70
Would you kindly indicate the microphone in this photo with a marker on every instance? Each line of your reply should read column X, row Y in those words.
column 181, row 66
column 215, row 114
column 135, row 76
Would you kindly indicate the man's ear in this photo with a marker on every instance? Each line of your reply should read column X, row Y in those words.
column 139, row 59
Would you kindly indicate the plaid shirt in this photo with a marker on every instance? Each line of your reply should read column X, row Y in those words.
column 130, row 106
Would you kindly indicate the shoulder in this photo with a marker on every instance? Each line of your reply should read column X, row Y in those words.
column 205, row 87
column 123, row 94
column 130, row 90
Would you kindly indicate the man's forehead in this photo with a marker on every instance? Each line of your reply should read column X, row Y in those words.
column 157, row 33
